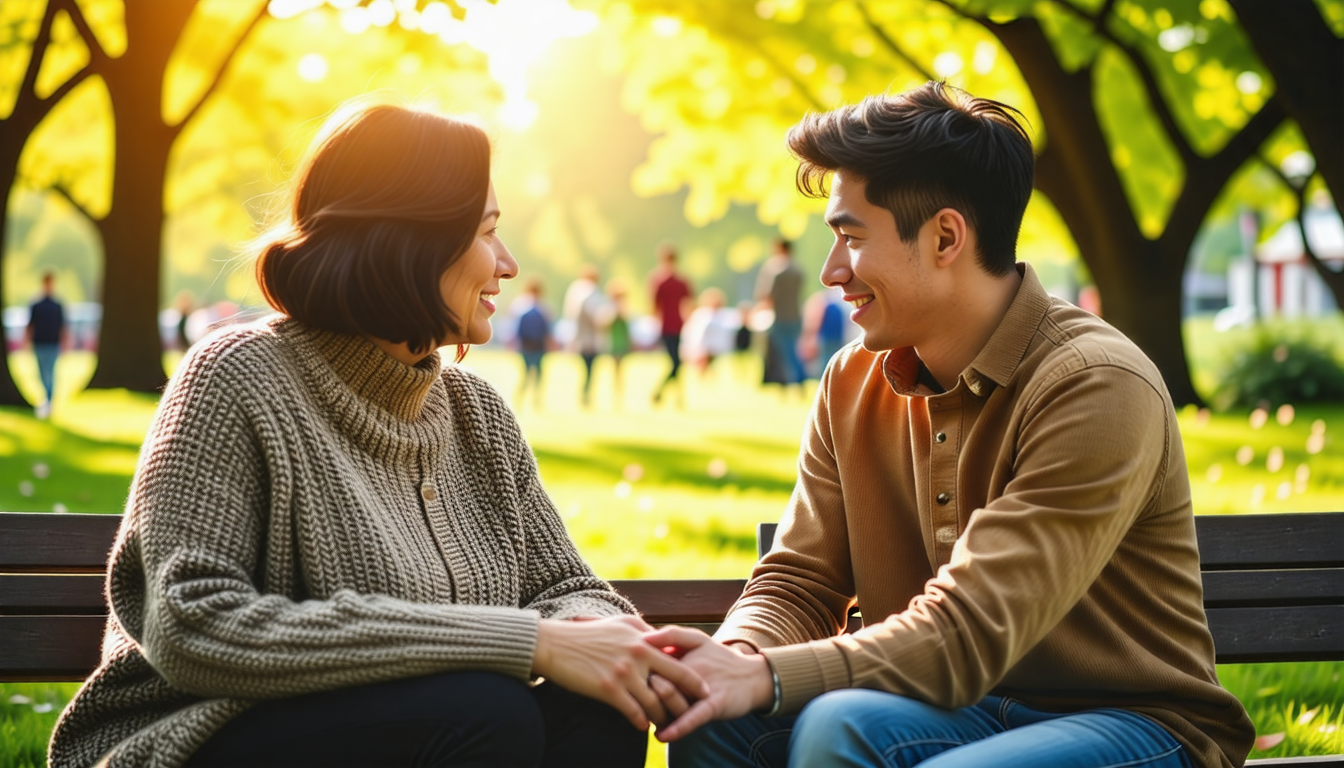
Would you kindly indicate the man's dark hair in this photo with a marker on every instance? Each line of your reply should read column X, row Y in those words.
column 386, row 200
column 930, row 148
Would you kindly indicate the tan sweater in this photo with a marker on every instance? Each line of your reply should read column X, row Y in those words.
column 309, row 513
column 1028, row 533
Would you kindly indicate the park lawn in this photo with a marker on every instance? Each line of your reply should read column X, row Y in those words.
column 676, row 491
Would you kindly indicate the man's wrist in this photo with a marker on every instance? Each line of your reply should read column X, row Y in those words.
column 770, row 707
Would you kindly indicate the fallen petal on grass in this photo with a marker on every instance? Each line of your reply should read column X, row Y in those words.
column 1270, row 741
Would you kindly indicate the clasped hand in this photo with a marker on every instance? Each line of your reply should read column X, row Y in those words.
column 676, row 678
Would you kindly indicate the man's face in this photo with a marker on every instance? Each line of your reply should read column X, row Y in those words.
column 884, row 279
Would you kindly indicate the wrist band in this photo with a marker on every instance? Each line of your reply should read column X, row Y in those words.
column 779, row 692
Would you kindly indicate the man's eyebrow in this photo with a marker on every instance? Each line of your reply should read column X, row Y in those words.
column 843, row 219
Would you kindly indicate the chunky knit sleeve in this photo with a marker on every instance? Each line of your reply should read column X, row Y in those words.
column 557, row 581
column 185, row 572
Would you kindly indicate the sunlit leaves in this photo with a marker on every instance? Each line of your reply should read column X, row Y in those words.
column 1148, row 166
column 721, row 83
column 19, row 21
column 210, row 34
column 66, row 54
column 72, row 148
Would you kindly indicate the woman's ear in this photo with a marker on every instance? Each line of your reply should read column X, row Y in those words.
column 950, row 235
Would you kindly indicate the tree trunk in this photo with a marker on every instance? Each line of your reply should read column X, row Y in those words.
column 130, row 353
column 1139, row 279
column 9, row 161
column 1307, row 61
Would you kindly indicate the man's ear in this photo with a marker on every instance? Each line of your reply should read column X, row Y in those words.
column 950, row 235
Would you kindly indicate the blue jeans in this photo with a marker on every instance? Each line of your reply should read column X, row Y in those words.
column 46, row 355
column 856, row 727
column 784, row 337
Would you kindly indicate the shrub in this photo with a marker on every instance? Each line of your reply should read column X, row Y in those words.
column 1274, row 368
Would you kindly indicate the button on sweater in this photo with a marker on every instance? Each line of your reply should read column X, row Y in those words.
column 309, row 513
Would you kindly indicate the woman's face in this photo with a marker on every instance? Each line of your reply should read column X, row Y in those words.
column 471, row 284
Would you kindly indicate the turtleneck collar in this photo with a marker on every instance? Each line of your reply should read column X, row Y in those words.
column 375, row 375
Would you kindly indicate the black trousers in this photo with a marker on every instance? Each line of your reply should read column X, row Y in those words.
column 454, row 719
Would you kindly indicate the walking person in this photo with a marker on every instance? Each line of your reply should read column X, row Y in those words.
column 47, row 335
column 583, row 308
column 337, row 550
column 616, row 322
column 779, row 286
column 534, row 339
column 671, row 302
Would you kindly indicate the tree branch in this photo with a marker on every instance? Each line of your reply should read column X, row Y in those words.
column 1146, row 75
column 891, row 43
column 1247, row 142
column 798, row 82
column 60, row 189
column 65, row 88
column 39, row 52
column 96, row 53
column 1335, row 280
column 219, row 72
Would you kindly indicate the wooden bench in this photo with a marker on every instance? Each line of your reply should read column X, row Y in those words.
column 1273, row 591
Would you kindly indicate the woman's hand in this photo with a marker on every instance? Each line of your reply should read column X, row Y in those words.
column 609, row 660
column 740, row 679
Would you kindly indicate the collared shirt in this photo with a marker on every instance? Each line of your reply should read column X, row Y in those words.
column 1026, row 533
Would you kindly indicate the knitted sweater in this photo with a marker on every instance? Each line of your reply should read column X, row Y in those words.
column 309, row 513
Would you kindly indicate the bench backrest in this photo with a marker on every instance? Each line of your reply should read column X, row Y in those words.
column 1273, row 590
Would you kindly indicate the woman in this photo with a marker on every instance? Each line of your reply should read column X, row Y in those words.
column 338, row 552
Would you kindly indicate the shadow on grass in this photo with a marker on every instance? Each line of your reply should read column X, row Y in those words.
column 45, row 467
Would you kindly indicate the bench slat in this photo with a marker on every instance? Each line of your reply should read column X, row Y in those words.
column 54, row 649
column 1304, row 586
column 1240, row 542
column 66, row 594
column 42, row 542
column 681, row 601
column 1301, row 633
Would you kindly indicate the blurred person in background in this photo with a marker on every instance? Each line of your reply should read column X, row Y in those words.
column 47, row 335
column 671, row 303
column 710, row 330
column 583, row 307
column 534, row 338
column 616, row 323
column 779, row 287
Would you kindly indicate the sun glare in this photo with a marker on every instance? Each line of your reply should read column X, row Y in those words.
column 512, row 34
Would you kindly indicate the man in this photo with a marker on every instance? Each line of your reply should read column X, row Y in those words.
column 671, row 297
column 778, row 286
column 46, row 334
column 994, row 475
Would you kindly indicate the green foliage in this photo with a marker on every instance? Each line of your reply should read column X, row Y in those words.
column 1302, row 703
column 28, row 712
column 1272, row 368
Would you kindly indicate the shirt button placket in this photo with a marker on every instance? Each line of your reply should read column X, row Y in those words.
column 943, row 470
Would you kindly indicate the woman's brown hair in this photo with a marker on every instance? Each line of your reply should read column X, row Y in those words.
column 385, row 201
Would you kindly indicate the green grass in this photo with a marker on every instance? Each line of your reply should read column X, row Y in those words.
column 677, row 490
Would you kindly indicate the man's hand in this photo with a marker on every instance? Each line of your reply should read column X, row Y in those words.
column 608, row 660
column 739, row 683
